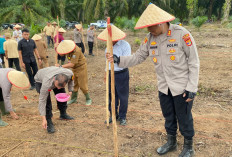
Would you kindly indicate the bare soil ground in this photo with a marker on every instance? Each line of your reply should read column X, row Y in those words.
column 87, row 135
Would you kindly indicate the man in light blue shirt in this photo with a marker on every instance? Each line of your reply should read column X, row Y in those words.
column 120, row 48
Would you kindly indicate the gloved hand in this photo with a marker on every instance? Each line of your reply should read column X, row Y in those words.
column 189, row 96
column 116, row 59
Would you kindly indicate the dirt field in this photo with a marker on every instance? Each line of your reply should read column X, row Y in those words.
column 87, row 135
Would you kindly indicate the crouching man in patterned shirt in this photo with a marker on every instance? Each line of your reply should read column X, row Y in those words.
column 52, row 78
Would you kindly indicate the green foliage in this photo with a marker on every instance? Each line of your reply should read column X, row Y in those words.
column 199, row 21
column 35, row 29
column 175, row 21
column 213, row 18
column 229, row 25
column 62, row 23
column 125, row 23
column 137, row 41
column 230, row 18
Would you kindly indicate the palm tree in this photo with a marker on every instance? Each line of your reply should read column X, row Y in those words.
column 227, row 8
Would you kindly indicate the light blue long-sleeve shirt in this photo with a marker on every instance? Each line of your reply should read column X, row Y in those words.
column 121, row 48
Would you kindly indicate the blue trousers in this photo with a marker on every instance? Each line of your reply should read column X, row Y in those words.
column 121, row 93
column 49, row 38
column 176, row 109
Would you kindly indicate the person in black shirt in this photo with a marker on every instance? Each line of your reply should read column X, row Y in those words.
column 26, row 48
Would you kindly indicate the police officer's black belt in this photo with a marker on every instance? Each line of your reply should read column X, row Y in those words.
column 121, row 71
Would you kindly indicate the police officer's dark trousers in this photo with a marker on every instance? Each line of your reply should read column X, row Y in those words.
column 31, row 75
column 90, row 47
column 176, row 109
column 62, row 106
column 121, row 92
column 81, row 45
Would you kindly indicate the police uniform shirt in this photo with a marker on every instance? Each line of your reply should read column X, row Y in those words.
column 46, row 77
column 19, row 34
column 55, row 29
column 27, row 47
column 90, row 35
column 77, row 36
column 48, row 30
column 175, row 58
column 41, row 47
column 11, row 46
column 6, row 87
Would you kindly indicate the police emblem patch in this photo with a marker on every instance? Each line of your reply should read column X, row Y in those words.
column 172, row 58
column 153, row 52
column 169, row 33
column 145, row 40
column 172, row 50
column 172, row 40
column 153, row 43
column 188, row 42
column 155, row 60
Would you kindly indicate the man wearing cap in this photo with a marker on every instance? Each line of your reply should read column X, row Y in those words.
column 76, row 61
column 174, row 53
column 60, row 38
column 11, row 51
column 90, row 39
column 10, row 77
column 78, row 37
column 42, row 49
column 17, row 34
column 120, row 48
column 52, row 78
column 27, row 48
column 2, row 52
column 49, row 33
column 55, row 28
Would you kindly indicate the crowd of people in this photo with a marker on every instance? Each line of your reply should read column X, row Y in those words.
column 171, row 48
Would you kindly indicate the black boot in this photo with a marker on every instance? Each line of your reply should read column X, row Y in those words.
column 169, row 146
column 187, row 149
column 65, row 116
column 111, row 120
column 50, row 126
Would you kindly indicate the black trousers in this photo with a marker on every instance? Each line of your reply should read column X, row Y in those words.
column 121, row 92
column 1, row 95
column 90, row 47
column 62, row 58
column 32, row 66
column 16, row 63
column 2, row 57
column 81, row 45
column 176, row 109
column 62, row 106
column 49, row 38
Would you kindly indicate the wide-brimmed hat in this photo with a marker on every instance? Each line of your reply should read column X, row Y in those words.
column 117, row 34
column 61, row 30
column 7, row 35
column 65, row 47
column 18, row 79
column 54, row 23
column 17, row 26
column 36, row 37
column 153, row 15
column 78, row 26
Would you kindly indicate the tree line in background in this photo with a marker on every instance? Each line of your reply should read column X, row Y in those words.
column 37, row 12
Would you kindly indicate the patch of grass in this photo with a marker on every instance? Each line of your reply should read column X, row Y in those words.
column 137, row 41
column 146, row 87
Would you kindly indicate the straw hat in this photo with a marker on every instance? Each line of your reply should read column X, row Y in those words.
column 54, row 23
column 18, row 79
column 65, row 47
column 17, row 26
column 78, row 26
column 36, row 37
column 153, row 15
column 7, row 35
column 117, row 34
column 61, row 30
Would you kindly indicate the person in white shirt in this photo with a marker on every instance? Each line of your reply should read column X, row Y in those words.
column 17, row 34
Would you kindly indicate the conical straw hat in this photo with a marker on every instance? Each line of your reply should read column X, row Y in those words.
column 18, row 79
column 17, row 26
column 65, row 47
column 61, row 30
column 117, row 34
column 54, row 23
column 153, row 15
column 78, row 26
column 36, row 37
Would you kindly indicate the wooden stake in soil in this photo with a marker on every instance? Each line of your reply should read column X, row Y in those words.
column 96, row 45
column 110, row 49
column 82, row 32
column 57, row 41
column 25, row 97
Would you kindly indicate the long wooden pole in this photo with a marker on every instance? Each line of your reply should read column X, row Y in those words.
column 82, row 32
column 110, row 48
column 57, row 40
column 96, row 45
column 107, row 86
